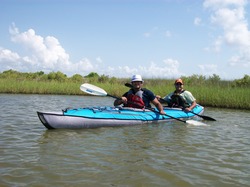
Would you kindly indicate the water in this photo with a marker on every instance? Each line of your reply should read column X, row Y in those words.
column 170, row 154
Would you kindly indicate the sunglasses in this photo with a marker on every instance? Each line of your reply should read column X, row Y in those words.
column 178, row 84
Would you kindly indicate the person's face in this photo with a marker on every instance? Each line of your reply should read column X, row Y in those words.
column 137, row 84
column 178, row 86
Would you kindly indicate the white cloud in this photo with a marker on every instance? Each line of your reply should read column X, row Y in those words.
column 243, row 58
column 217, row 44
column 229, row 15
column 8, row 55
column 209, row 69
column 9, row 59
column 98, row 59
column 197, row 21
column 41, row 54
column 46, row 54
column 168, row 69
column 217, row 4
column 85, row 65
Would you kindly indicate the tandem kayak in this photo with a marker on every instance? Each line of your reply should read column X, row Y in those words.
column 94, row 117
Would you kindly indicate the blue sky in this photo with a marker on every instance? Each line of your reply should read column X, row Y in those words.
column 154, row 38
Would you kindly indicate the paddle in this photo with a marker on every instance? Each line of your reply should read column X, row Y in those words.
column 164, row 101
column 94, row 90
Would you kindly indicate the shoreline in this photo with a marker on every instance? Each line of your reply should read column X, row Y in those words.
column 209, row 92
column 83, row 94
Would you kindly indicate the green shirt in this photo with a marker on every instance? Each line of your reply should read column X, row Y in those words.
column 186, row 95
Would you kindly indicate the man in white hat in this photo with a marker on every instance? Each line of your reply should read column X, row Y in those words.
column 138, row 97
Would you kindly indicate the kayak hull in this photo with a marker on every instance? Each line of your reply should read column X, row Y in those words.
column 58, row 121
column 96, row 117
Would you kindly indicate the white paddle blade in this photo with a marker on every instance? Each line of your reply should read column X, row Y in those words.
column 195, row 123
column 93, row 90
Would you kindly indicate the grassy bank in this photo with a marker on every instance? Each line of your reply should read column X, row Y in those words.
column 219, row 94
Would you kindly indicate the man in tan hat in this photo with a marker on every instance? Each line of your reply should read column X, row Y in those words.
column 138, row 97
column 180, row 97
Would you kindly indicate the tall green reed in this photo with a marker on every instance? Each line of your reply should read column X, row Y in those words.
column 220, row 94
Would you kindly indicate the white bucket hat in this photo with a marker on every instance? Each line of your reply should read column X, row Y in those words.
column 136, row 78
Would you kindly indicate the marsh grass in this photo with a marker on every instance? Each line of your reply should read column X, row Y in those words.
column 224, row 97
column 209, row 94
column 34, row 87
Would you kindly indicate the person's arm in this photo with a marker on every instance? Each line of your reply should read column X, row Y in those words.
column 160, row 99
column 152, row 98
column 168, row 99
column 191, row 107
column 158, row 106
column 120, row 101
column 190, row 98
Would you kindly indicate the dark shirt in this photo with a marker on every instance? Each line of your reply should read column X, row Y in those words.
column 147, row 97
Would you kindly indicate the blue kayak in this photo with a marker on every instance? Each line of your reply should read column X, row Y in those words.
column 94, row 117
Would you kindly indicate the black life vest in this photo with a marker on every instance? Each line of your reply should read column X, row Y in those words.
column 178, row 101
column 135, row 99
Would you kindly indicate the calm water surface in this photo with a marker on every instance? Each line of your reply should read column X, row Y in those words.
column 166, row 154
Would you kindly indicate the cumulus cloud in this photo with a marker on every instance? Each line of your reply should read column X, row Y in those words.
column 41, row 54
column 169, row 68
column 209, row 69
column 47, row 54
column 6, row 54
column 229, row 15
column 11, row 59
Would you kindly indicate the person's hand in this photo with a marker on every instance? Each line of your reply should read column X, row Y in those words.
column 158, row 97
column 187, row 109
column 124, row 100
column 162, row 112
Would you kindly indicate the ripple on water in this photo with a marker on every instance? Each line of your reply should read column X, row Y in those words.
column 171, row 154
